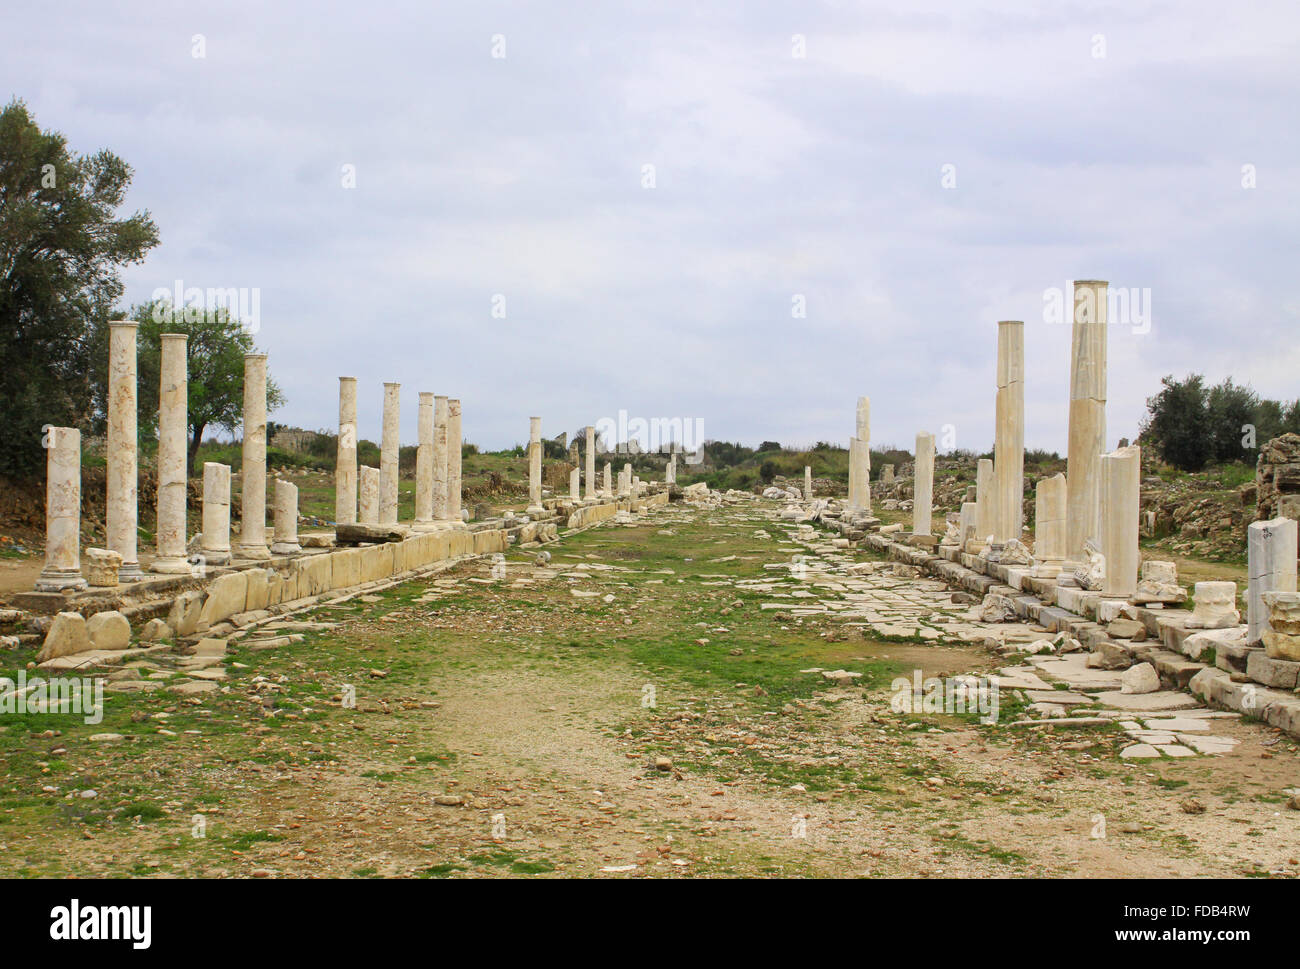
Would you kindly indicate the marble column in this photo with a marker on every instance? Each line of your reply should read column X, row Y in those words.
column 440, row 411
column 862, row 463
column 985, row 509
column 286, row 519
column 216, row 513
column 345, row 464
column 173, row 457
column 625, row 488
column 252, row 474
column 121, row 521
column 1009, row 437
column 369, row 501
column 1087, row 416
column 389, row 446
column 534, row 466
column 424, row 466
column 923, row 484
column 592, row 490
column 62, row 511
column 1271, row 567
column 1121, row 480
column 575, row 485
column 455, row 442
column 807, row 483
column 1049, row 522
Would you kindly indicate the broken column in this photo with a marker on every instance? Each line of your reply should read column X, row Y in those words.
column 216, row 513
column 625, row 485
column 966, row 522
column 1271, row 567
column 345, row 463
column 252, row 473
column 173, row 457
column 1121, row 480
column 1049, row 524
column 592, row 490
column 535, row 466
column 62, row 511
column 285, row 541
column 440, row 415
column 860, row 457
column 923, row 484
column 608, row 490
column 121, row 521
column 455, row 443
column 389, row 445
column 1009, row 438
column 424, row 466
column 1087, row 416
column 807, row 483
column 369, row 501
column 575, row 485
column 670, row 473
column 985, row 507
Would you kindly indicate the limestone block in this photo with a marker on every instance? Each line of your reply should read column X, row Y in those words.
column 67, row 635
column 345, row 568
column 1141, row 678
column 1271, row 554
column 259, row 589
column 108, row 630
column 1280, row 673
column 1282, row 637
column 185, row 613
column 226, row 596
column 101, row 567
column 315, row 573
column 154, row 631
column 1214, row 606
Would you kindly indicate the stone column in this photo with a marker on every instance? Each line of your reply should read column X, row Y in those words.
column 345, row 464
column 862, row 462
column 966, row 522
column 216, row 513
column 252, row 535
column 923, row 484
column 369, row 503
column 62, row 511
column 122, row 513
column 1049, row 521
column 608, row 490
column 534, row 466
column 286, row 519
column 1087, row 416
column 807, row 483
column 985, row 509
column 575, row 485
column 625, row 487
column 424, row 466
column 1009, row 437
column 173, row 457
column 1271, row 567
column 1121, row 480
column 455, row 439
column 440, row 411
column 592, row 490
column 670, row 475
column 388, row 448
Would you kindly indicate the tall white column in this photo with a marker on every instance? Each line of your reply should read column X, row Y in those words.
column 368, row 505
column 1087, row 415
column 122, row 513
column 455, row 442
column 440, row 412
column 345, row 465
column 424, row 466
column 173, row 457
column 535, row 466
column 1009, row 438
column 592, row 490
column 252, row 473
column 388, row 453
column 1271, row 565
column 1121, row 480
column 923, row 483
column 62, row 511
column 286, row 519
column 216, row 513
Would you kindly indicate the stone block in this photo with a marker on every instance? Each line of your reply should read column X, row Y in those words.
column 67, row 635
column 185, row 613
column 101, row 567
column 226, row 596
column 109, row 630
column 1280, row 673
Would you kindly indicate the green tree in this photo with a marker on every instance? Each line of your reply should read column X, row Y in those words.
column 1229, row 408
column 1175, row 424
column 61, row 250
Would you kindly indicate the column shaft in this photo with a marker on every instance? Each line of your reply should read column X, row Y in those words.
column 923, row 484
column 62, row 511
column 440, row 457
column 534, row 466
column 286, row 519
column 173, row 457
column 252, row 473
column 388, row 454
column 1087, row 415
column 424, row 466
column 1121, row 480
column 216, row 513
column 1009, row 438
column 122, row 513
column 345, row 465
column 455, row 443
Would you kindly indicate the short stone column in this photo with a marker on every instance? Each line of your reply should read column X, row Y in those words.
column 625, row 485
column 216, row 513
column 670, row 473
column 424, row 466
column 252, row 474
column 62, row 511
column 1271, row 567
column 369, row 501
column 1087, row 416
column 807, row 483
column 345, row 464
column 121, row 520
column 592, row 489
column 286, row 519
column 575, row 485
column 886, row 474
column 534, row 466
column 1009, row 436
column 455, row 443
column 1121, row 480
column 966, row 522
column 985, row 501
column 440, row 416
column 173, row 457
column 389, row 445
column 1049, row 522
column 923, row 484
column 608, row 482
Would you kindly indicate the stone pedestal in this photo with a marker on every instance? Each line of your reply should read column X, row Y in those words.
column 592, row 490
column 1049, row 523
column 1214, row 606
column 1121, row 480
column 62, row 511
column 252, row 475
column 1087, row 416
column 369, row 501
column 345, row 465
column 1009, row 438
column 286, row 519
column 389, row 444
column 173, row 459
column 440, row 417
column 535, row 466
column 216, row 513
column 1271, row 567
column 575, row 485
column 923, row 484
column 424, row 467
column 455, row 442
column 121, row 521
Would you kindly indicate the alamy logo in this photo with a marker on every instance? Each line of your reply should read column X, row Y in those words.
column 100, row 923
column 59, row 694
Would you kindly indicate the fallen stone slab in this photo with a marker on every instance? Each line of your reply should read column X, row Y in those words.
column 1161, row 700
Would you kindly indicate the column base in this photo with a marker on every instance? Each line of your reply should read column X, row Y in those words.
column 216, row 556
column 425, row 525
column 285, row 548
column 58, row 581
column 171, row 566
column 130, row 572
column 257, row 552
column 534, row 510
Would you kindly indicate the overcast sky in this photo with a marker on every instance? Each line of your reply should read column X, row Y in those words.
column 1087, row 140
